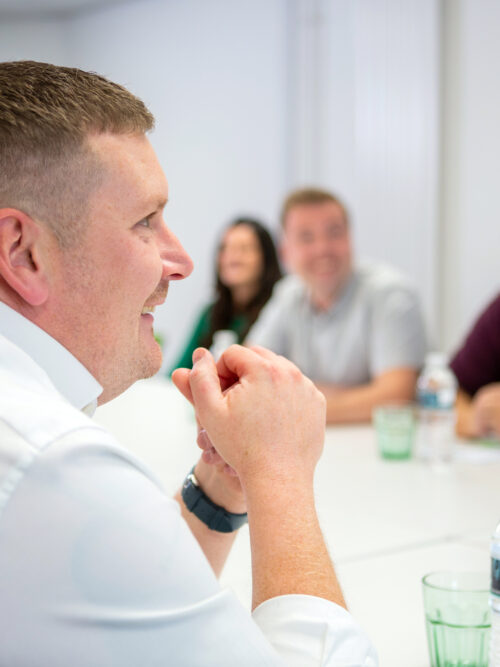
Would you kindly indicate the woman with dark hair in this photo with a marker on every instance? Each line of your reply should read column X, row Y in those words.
column 246, row 270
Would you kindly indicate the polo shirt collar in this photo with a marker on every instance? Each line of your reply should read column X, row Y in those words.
column 341, row 301
column 66, row 373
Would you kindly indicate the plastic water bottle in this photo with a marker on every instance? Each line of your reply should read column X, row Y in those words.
column 222, row 339
column 495, row 599
column 436, row 395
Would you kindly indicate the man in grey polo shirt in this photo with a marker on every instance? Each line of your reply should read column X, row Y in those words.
column 356, row 331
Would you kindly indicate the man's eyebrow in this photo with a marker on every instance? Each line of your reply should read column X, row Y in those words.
column 161, row 204
column 158, row 206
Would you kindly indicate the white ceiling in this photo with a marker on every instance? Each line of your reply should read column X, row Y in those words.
column 27, row 8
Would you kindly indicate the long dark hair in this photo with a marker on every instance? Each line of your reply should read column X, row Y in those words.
column 224, row 309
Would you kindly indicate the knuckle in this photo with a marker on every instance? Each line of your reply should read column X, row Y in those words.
column 274, row 373
column 267, row 366
column 321, row 399
column 296, row 374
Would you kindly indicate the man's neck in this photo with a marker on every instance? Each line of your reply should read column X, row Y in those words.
column 323, row 299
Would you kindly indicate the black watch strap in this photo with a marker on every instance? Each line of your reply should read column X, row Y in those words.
column 214, row 516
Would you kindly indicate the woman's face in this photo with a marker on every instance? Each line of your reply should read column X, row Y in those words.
column 240, row 257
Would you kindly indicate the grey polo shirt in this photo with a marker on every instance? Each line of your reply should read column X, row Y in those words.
column 375, row 325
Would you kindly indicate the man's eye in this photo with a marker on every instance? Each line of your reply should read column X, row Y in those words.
column 336, row 232
column 146, row 222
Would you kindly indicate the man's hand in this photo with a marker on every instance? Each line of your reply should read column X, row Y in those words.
column 264, row 418
column 217, row 479
column 486, row 410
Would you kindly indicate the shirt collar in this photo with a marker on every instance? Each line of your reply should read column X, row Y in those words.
column 66, row 373
column 343, row 297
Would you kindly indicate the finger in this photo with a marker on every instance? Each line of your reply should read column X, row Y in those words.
column 180, row 378
column 263, row 352
column 211, row 456
column 226, row 377
column 207, row 456
column 237, row 361
column 216, row 457
column 269, row 355
column 204, row 384
column 203, row 441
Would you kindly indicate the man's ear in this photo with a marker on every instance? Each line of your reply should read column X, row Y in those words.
column 21, row 265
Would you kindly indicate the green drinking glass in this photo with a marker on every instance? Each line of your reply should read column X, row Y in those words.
column 457, row 618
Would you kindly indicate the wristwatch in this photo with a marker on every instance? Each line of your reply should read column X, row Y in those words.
column 214, row 516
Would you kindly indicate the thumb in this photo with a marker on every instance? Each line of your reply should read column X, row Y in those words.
column 205, row 385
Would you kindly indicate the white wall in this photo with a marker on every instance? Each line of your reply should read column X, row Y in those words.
column 33, row 39
column 396, row 138
column 471, row 164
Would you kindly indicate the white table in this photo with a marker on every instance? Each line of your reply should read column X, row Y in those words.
column 386, row 523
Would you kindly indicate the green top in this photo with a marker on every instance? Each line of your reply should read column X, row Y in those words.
column 238, row 324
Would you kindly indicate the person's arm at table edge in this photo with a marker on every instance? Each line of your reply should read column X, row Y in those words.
column 346, row 405
column 464, row 409
column 479, row 415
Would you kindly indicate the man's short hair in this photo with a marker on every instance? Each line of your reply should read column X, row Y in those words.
column 307, row 196
column 47, row 168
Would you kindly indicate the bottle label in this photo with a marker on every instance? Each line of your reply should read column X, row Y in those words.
column 442, row 399
column 495, row 576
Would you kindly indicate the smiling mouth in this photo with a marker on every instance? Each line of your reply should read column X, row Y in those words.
column 148, row 310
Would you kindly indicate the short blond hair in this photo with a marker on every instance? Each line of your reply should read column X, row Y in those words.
column 47, row 168
column 306, row 196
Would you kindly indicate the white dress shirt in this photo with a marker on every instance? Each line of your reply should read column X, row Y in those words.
column 97, row 567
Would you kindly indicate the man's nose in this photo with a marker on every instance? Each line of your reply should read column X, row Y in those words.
column 177, row 264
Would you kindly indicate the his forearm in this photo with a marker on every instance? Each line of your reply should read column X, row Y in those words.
column 289, row 555
column 346, row 405
column 216, row 546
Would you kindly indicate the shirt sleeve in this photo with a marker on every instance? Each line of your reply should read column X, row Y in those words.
column 309, row 631
column 477, row 363
column 99, row 568
column 398, row 333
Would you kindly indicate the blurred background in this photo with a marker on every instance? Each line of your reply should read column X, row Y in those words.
column 392, row 104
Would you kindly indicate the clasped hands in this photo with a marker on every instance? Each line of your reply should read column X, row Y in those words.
column 259, row 421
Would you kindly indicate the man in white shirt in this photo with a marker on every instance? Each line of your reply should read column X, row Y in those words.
column 97, row 565
column 357, row 331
